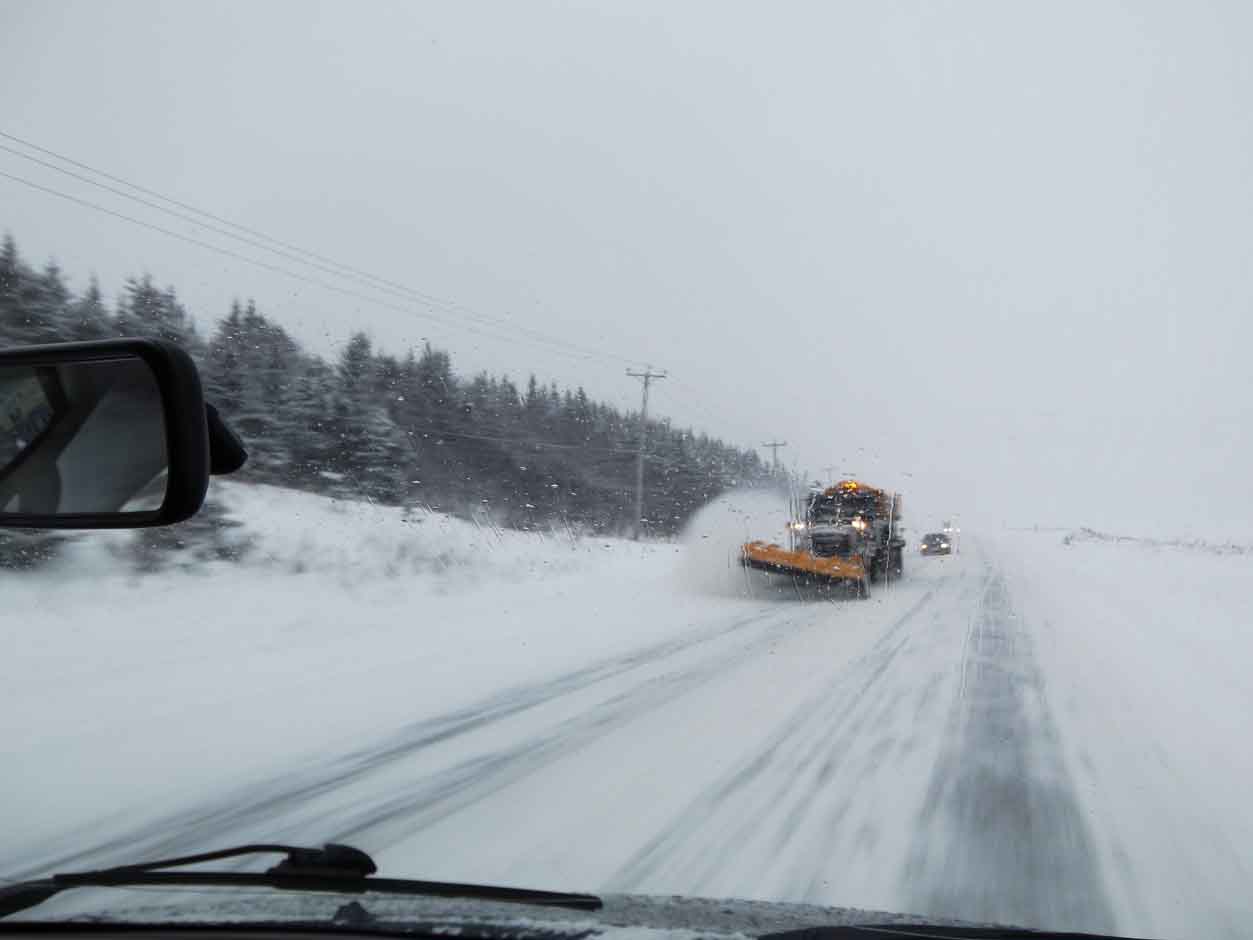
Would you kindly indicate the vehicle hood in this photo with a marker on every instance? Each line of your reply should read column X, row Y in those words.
column 623, row 915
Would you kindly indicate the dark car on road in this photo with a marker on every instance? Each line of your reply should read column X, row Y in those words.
column 936, row 543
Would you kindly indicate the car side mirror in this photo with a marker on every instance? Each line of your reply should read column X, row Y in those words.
column 100, row 435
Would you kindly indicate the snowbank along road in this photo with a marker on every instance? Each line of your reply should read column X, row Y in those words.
column 943, row 748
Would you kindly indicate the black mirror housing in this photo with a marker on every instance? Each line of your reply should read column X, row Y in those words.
column 173, row 375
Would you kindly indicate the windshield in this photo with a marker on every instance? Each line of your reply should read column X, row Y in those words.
column 558, row 335
column 843, row 507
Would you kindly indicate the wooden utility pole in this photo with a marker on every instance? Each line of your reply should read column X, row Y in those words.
column 646, row 376
column 774, row 452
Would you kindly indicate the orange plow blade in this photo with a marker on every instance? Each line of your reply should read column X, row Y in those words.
column 770, row 557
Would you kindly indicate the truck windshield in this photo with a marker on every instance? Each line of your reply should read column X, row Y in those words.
column 840, row 507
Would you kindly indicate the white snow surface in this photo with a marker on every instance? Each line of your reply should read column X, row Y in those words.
column 349, row 620
column 1041, row 730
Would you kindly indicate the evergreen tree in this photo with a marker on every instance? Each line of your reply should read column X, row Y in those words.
column 308, row 433
column 373, row 426
column 369, row 449
column 223, row 371
column 33, row 305
column 88, row 315
column 146, row 310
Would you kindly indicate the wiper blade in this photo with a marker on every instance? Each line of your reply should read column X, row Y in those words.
column 333, row 868
column 331, row 859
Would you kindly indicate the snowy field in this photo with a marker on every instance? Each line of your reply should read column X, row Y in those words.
column 1038, row 730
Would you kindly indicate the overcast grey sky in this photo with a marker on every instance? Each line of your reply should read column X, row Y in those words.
column 992, row 253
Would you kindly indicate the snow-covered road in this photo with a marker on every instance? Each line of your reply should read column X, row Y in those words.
column 966, row 743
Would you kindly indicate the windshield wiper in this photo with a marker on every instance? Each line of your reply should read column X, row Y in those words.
column 332, row 868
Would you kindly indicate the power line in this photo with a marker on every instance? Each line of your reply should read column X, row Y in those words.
column 308, row 280
column 220, row 250
column 332, row 268
column 293, row 252
column 300, row 255
column 154, row 193
column 437, row 432
column 692, row 402
column 168, row 211
column 205, row 213
column 264, row 264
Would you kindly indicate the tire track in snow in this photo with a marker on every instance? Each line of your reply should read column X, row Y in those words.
column 1001, row 834
column 797, row 758
column 256, row 808
column 432, row 798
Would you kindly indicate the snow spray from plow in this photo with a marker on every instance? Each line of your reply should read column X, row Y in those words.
column 713, row 539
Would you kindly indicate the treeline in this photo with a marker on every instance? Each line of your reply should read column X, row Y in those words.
column 397, row 429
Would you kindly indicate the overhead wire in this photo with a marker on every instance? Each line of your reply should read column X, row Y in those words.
column 294, row 253
column 523, row 442
column 224, row 221
column 679, row 383
column 289, row 255
column 347, row 269
column 424, row 430
column 227, row 252
column 479, row 323
column 689, row 401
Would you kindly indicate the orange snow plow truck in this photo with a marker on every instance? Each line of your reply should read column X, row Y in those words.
column 849, row 535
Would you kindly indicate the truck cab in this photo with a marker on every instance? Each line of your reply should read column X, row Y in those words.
column 851, row 520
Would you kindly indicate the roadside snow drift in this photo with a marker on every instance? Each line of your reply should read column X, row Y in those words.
column 714, row 536
column 344, row 621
